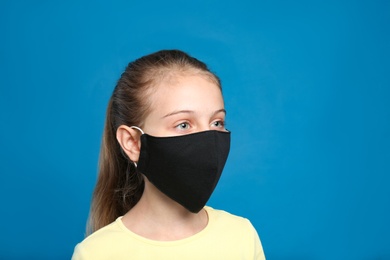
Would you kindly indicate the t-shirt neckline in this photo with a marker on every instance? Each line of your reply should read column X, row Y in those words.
column 140, row 238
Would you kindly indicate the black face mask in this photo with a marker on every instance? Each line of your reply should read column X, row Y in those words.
column 186, row 168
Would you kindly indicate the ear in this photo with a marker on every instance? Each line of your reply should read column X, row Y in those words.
column 129, row 140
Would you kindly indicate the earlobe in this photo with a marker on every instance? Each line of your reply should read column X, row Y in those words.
column 129, row 140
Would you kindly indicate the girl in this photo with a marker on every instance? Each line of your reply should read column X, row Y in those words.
column 163, row 151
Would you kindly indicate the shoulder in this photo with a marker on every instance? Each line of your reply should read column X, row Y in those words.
column 231, row 228
column 106, row 232
column 227, row 222
column 109, row 236
column 224, row 217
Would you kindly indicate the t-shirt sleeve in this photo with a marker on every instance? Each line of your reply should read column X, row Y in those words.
column 78, row 253
column 259, row 253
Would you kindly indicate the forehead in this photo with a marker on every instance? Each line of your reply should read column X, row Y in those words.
column 174, row 75
column 189, row 91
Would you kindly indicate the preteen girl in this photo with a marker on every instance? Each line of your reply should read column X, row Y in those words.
column 163, row 151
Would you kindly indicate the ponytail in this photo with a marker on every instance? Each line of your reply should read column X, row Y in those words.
column 119, row 186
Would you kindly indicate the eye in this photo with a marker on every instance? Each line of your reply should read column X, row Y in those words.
column 219, row 124
column 183, row 126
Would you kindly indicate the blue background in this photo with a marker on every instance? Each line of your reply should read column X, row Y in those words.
column 306, row 86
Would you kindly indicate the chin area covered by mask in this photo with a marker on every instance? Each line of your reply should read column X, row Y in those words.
column 186, row 168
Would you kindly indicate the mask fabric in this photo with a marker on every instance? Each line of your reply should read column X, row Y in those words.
column 186, row 168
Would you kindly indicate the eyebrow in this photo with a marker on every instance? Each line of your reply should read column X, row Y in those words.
column 191, row 112
column 222, row 110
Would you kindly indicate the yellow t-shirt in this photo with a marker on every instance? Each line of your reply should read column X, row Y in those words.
column 225, row 237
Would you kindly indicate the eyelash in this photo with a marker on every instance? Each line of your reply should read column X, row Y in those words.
column 222, row 124
column 181, row 124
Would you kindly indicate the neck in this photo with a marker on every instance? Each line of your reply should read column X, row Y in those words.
column 158, row 217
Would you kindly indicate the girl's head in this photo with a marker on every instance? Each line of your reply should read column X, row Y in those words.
column 132, row 98
column 165, row 93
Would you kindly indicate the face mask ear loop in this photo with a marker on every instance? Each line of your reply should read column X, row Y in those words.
column 142, row 132
column 139, row 129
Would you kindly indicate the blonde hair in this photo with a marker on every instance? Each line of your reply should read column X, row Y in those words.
column 119, row 185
